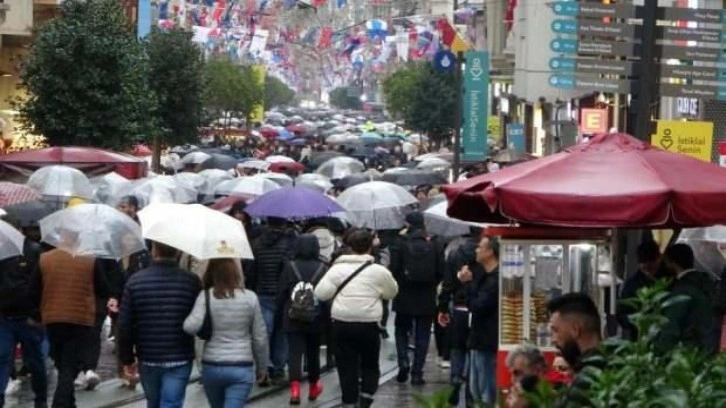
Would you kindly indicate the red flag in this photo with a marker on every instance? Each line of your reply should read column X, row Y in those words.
column 447, row 31
column 325, row 36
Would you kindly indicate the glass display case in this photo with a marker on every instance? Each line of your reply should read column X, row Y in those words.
column 535, row 270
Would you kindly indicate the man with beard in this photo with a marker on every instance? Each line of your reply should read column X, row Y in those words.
column 577, row 333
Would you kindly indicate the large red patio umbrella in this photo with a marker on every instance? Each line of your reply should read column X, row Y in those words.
column 614, row 180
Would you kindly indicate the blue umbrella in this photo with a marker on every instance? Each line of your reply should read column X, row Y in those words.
column 297, row 142
column 371, row 137
column 294, row 203
column 284, row 134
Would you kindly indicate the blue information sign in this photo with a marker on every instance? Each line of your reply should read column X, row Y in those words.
column 444, row 61
column 515, row 137
column 564, row 45
column 562, row 26
column 475, row 112
column 143, row 19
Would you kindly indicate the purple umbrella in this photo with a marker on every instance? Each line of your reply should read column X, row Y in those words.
column 294, row 203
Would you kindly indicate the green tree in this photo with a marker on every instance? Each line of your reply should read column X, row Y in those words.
column 340, row 99
column 232, row 89
column 176, row 78
column 423, row 98
column 85, row 79
column 277, row 93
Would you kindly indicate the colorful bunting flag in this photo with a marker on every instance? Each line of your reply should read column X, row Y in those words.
column 450, row 37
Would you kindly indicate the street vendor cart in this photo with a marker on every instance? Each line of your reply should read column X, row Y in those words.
column 539, row 264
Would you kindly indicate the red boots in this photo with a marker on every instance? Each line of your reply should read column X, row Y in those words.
column 315, row 390
column 295, row 393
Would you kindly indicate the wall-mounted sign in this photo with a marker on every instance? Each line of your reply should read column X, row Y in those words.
column 687, row 107
column 593, row 121
column 691, row 138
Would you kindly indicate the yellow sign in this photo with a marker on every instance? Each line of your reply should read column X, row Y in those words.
column 258, row 114
column 691, row 138
column 494, row 127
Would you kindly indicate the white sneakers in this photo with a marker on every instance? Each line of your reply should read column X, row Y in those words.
column 13, row 387
column 443, row 363
column 88, row 380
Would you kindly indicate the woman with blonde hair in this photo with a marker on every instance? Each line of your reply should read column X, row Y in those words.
column 238, row 342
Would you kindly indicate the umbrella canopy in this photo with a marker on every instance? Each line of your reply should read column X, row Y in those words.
column 60, row 181
column 318, row 158
column 715, row 233
column 376, row 204
column 13, row 193
column 190, row 180
column 614, row 180
column 212, row 178
column 11, row 241
column 252, row 186
column 199, row 231
column 106, row 188
column 28, row 214
column 439, row 223
column 283, row 180
column 96, row 230
column 414, row 177
column 294, row 203
column 294, row 167
column 141, row 150
column 219, row 161
column 339, row 167
column 355, row 179
column 314, row 181
column 195, row 158
column 433, row 164
column 268, row 132
column 161, row 189
column 371, row 138
column 254, row 164
column 279, row 159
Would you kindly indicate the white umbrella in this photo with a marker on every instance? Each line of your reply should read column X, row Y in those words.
column 376, row 204
column 107, row 187
column 189, row 179
column 212, row 178
column 255, row 165
column 339, row 167
column 96, row 230
column 246, row 186
column 195, row 158
column 11, row 241
column 283, row 180
column 171, row 161
column 314, row 181
column 439, row 223
column 196, row 230
column 433, row 164
column 279, row 159
column 60, row 181
column 162, row 189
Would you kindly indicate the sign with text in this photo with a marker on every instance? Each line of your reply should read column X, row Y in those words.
column 691, row 138
column 475, row 112
column 593, row 121
column 515, row 137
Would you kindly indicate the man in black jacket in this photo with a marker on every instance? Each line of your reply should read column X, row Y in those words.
column 272, row 250
column 19, row 322
column 152, row 341
column 483, row 299
column 416, row 264
column 648, row 254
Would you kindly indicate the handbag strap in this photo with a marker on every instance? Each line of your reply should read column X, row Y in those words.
column 207, row 307
column 350, row 278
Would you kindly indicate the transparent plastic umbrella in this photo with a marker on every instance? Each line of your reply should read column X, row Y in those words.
column 11, row 241
column 96, row 230
column 60, row 181
column 189, row 179
column 314, row 181
column 195, row 158
column 246, row 186
column 439, row 223
column 199, row 231
column 283, row 180
column 279, row 159
column 212, row 178
column 161, row 189
column 339, row 167
column 106, row 188
column 376, row 204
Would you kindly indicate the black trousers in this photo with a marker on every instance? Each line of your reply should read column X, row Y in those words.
column 308, row 344
column 357, row 349
column 66, row 342
column 92, row 351
column 441, row 337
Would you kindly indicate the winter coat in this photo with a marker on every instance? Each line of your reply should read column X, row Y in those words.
column 690, row 321
column 360, row 300
column 458, row 253
column 239, row 335
column 629, row 291
column 414, row 299
column 484, row 308
column 155, row 304
column 18, row 275
column 308, row 263
column 271, row 250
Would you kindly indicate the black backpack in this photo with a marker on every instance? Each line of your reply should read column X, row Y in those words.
column 303, row 304
column 420, row 260
column 14, row 282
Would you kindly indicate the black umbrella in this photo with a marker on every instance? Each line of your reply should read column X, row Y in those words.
column 354, row 179
column 414, row 178
column 219, row 161
column 318, row 158
column 28, row 214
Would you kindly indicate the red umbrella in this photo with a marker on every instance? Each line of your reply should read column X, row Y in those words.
column 287, row 167
column 268, row 132
column 614, row 180
column 141, row 150
column 297, row 128
column 12, row 193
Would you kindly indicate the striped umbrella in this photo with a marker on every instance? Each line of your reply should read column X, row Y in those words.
column 13, row 193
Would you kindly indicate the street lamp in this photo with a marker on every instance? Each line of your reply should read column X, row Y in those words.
column 363, row 98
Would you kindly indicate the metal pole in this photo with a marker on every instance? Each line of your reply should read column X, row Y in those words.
column 646, row 83
column 457, row 118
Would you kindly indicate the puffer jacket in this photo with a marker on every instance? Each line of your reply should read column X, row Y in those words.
column 271, row 251
column 361, row 300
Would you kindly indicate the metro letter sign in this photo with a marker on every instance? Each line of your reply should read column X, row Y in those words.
column 593, row 121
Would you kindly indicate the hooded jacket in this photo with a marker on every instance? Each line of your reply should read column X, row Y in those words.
column 360, row 301
column 308, row 263
column 271, row 251
column 415, row 299
column 326, row 241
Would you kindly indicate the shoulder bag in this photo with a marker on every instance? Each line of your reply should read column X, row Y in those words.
column 350, row 278
column 205, row 332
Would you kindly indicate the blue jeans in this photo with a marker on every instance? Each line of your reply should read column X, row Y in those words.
column 420, row 328
column 482, row 377
column 227, row 386
column 165, row 387
column 32, row 339
column 459, row 366
column 278, row 339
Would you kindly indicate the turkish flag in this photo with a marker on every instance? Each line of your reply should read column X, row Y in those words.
column 325, row 36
